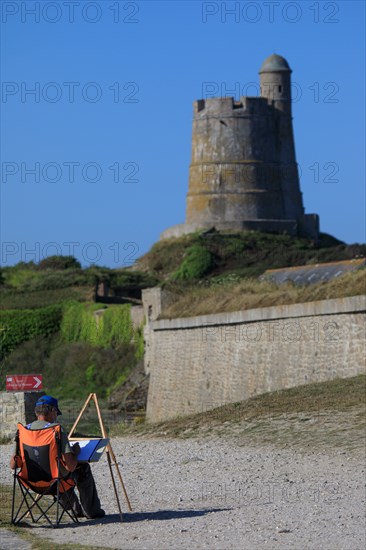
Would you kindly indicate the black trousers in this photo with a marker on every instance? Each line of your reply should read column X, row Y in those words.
column 89, row 500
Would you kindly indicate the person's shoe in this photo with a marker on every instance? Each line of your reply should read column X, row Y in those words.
column 79, row 513
column 71, row 501
column 99, row 514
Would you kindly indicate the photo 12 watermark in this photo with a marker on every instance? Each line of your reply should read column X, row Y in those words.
column 270, row 12
column 277, row 331
column 318, row 92
column 327, row 172
column 70, row 11
column 297, row 410
column 69, row 92
column 70, row 412
column 266, row 492
column 69, row 171
column 91, row 252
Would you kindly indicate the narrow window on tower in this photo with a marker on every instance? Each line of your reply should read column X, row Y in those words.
column 280, row 88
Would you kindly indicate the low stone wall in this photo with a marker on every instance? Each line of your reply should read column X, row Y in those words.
column 200, row 363
column 16, row 407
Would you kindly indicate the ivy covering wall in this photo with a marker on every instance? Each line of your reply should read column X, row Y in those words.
column 77, row 323
column 110, row 328
column 17, row 326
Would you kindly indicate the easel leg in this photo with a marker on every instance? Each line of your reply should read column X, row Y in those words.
column 110, row 454
column 114, row 485
column 120, row 476
column 110, row 451
column 80, row 414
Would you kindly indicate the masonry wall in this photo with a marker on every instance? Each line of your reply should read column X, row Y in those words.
column 16, row 407
column 200, row 363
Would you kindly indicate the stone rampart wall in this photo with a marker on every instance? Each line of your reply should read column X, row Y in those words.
column 16, row 407
column 200, row 363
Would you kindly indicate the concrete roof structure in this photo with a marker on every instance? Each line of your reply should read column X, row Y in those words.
column 311, row 274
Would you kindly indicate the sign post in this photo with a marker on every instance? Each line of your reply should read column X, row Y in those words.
column 24, row 382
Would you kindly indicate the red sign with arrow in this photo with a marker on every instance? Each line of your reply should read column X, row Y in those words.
column 23, row 382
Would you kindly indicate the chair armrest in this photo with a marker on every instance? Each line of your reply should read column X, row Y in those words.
column 16, row 462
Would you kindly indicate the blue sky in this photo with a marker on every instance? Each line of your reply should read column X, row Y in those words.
column 95, row 160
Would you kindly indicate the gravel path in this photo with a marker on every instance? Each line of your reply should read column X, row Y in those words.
column 211, row 493
column 10, row 541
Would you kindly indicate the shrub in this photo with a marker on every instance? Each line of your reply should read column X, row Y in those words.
column 59, row 262
column 19, row 278
column 20, row 325
column 197, row 262
column 72, row 370
column 125, row 278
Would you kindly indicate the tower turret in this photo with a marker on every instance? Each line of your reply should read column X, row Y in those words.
column 275, row 82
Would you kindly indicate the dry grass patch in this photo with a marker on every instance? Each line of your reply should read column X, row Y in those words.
column 325, row 414
column 250, row 293
column 25, row 531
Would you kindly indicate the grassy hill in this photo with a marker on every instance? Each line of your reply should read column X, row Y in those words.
column 319, row 415
column 212, row 255
column 206, row 272
column 213, row 272
column 207, row 258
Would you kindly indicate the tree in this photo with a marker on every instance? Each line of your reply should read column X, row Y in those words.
column 59, row 262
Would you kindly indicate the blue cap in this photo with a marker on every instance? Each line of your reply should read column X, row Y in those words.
column 49, row 400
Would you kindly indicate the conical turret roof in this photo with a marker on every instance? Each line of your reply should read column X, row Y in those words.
column 274, row 63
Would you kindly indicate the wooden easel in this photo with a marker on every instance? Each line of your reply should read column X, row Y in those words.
column 110, row 454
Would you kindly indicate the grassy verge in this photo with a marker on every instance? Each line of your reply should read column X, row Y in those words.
column 325, row 414
column 250, row 293
column 25, row 531
column 13, row 299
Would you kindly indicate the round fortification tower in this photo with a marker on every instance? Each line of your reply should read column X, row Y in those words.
column 232, row 175
column 243, row 173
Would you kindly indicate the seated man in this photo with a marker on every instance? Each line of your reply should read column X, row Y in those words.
column 46, row 412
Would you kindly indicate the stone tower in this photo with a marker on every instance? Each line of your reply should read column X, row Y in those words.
column 243, row 173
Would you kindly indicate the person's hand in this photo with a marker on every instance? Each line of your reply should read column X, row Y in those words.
column 76, row 449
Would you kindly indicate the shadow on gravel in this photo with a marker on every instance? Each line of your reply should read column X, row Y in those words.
column 159, row 515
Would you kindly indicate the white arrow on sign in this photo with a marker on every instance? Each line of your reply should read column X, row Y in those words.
column 39, row 382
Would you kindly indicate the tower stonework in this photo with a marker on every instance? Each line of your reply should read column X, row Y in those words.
column 243, row 172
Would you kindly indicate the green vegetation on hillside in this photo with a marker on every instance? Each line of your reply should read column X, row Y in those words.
column 112, row 328
column 198, row 261
column 243, row 255
column 47, row 281
column 214, row 272
column 72, row 370
column 76, row 351
column 48, row 318
column 20, row 325
column 13, row 299
column 49, row 326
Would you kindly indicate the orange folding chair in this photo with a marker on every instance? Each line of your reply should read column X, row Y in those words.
column 38, row 460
